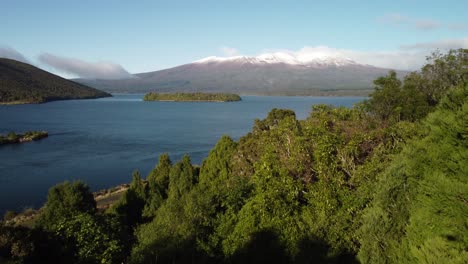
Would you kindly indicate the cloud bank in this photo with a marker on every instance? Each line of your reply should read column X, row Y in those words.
column 10, row 53
column 83, row 69
column 406, row 57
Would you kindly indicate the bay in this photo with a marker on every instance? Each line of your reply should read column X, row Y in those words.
column 102, row 141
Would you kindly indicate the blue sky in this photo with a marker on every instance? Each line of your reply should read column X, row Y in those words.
column 150, row 35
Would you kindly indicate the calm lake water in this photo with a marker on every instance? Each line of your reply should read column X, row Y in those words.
column 102, row 141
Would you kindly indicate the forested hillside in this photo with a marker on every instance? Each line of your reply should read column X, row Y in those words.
column 383, row 182
column 24, row 83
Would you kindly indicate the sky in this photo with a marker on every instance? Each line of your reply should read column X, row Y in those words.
column 112, row 39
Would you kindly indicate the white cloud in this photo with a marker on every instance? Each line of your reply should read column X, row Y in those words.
column 228, row 51
column 406, row 57
column 441, row 44
column 83, row 69
column 399, row 59
column 10, row 53
column 419, row 23
column 458, row 26
column 426, row 24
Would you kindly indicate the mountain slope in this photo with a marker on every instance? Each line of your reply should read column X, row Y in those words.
column 267, row 74
column 24, row 83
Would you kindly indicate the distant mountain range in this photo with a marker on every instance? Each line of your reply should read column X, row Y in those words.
column 23, row 83
column 268, row 74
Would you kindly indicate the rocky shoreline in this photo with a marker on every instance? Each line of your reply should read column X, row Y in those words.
column 13, row 138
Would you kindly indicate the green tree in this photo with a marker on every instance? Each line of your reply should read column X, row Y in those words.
column 130, row 206
column 172, row 232
column 273, row 207
column 158, row 183
column 422, row 90
column 24, row 245
column 273, row 118
column 64, row 201
column 158, row 179
column 443, row 72
column 93, row 238
column 385, row 101
column 182, row 178
column 217, row 166
column 415, row 104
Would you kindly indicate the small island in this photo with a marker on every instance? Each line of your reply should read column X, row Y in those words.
column 13, row 138
column 192, row 97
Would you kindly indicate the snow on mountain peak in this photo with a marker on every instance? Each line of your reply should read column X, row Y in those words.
column 317, row 59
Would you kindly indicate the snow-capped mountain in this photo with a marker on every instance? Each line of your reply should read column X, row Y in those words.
column 311, row 60
column 267, row 74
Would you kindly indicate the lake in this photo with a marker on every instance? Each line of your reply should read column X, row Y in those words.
column 102, row 141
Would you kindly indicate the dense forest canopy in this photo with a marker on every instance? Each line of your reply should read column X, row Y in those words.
column 382, row 182
column 189, row 97
column 24, row 83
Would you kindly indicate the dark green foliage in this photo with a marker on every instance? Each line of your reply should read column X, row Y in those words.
column 24, row 245
column 181, row 178
column 92, row 238
column 386, row 100
column 15, row 243
column 83, row 238
column 273, row 118
column 274, row 205
column 421, row 91
column 419, row 211
column 71, row 220
column 216, row 167
column 65, row 201
column 443, row 72
column 9, row 215
column 68, row 230
column 131, row 205
column 202, row 97
column 183, row 226
column 159, row 176
column 158, row 182
column 24, row 83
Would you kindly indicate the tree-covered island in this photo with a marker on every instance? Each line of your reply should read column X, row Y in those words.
column 12, row 138
column 192, row 97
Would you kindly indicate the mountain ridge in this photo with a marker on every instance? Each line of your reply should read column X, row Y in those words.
column 267, row 74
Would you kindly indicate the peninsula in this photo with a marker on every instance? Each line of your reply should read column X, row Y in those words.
column 192, row 97
column 22, row 83
column 29, row 136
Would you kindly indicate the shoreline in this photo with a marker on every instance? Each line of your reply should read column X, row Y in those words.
column 202, row 101
column 104, row 198
column 19, row 102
